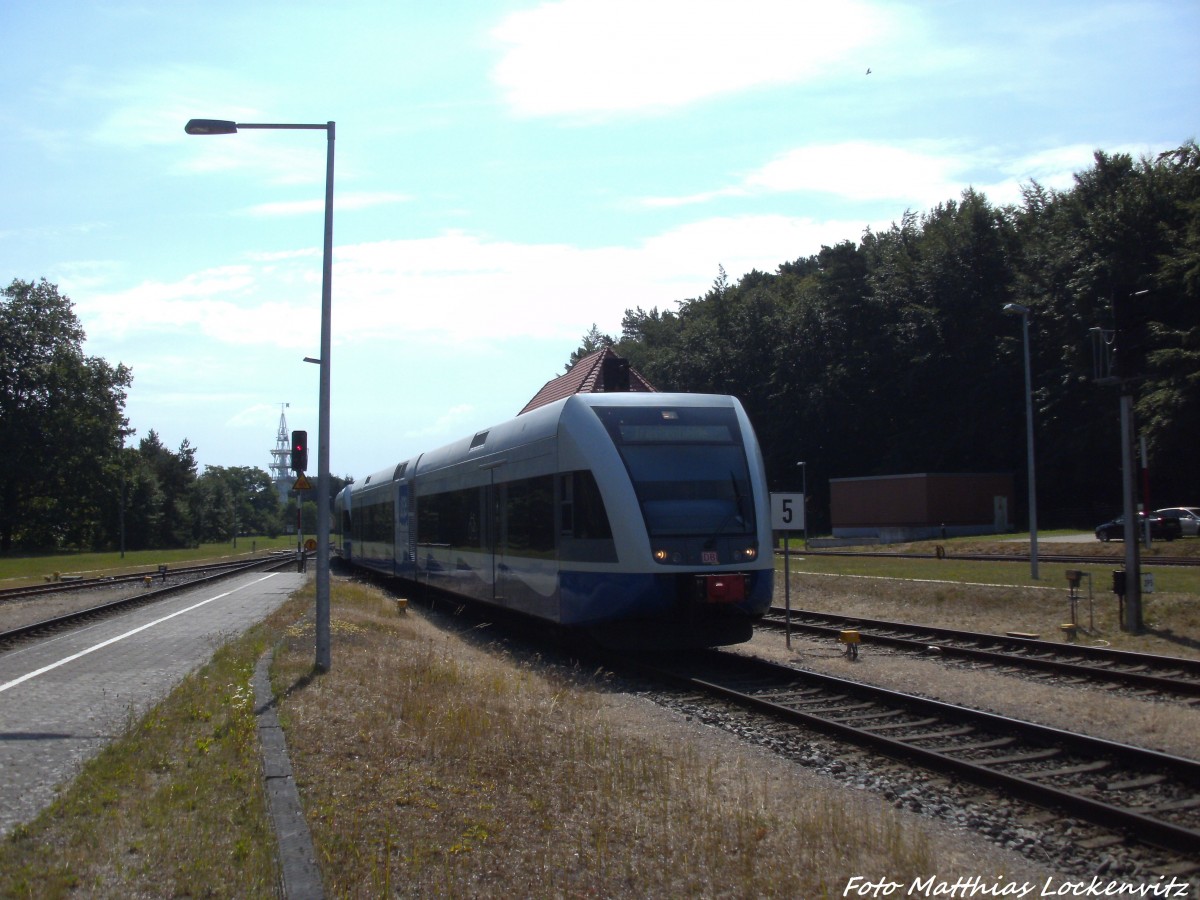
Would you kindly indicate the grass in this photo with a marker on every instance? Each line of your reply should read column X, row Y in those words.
column 174, row 807
column 434, row 768
column 17, row 570
column 1005, row 570
column 1050, row 575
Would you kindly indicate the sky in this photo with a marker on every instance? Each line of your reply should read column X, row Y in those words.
column 507, row 175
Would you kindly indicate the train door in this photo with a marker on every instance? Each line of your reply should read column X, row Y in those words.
column 493, row 537
column 526, row 563
column 504, row 583
column 402, row 561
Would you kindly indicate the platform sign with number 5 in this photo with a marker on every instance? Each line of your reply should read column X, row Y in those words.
column 787, row 512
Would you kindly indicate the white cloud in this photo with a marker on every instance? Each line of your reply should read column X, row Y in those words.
column 916, row 174
column 151, row 105
column 920, row 174
column 461, row 287
column 233, row 304
column 448, row 422
column 343, row 202
column 860, row 170
column 280, row 162
column 603, row 56
column 1056, row 167
column 455, row 288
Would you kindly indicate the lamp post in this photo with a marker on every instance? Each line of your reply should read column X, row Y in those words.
column 222, row 126
column 1016, row 309
column 1128, row 371
column 804, row 493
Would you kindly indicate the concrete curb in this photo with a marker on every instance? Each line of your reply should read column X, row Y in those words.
column 297, row 860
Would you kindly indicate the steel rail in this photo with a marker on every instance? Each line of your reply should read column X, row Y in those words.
column 1049, row 655
column 1068, row 559
column 82, row 584
column 26, row 631
column 1137, row 824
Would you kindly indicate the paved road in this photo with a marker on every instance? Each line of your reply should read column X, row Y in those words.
column 63, row 699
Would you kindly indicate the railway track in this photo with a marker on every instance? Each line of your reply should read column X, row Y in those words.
column 161, row 573
column 182, row 579
column 1065, row 558
column 1147, row 796
column 1164, row 674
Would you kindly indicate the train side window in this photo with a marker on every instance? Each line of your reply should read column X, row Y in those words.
column 566, row 505
column 529, row 512
column 452, row 519
column 586, row 535
column 589, row 518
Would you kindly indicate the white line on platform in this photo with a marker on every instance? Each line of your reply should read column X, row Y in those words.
column 62, row 662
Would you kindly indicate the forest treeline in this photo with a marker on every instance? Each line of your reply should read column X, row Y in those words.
column 894, row 354
column 69, row 457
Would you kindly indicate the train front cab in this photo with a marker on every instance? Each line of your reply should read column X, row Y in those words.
column 684, row 489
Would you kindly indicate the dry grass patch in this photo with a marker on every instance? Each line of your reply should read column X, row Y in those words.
column 431, row 767
column 1172, row 619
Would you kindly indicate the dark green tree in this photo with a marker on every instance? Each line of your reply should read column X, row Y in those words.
column 174, row 474
column 237, row 499
column 144, row 507
column 61, row 413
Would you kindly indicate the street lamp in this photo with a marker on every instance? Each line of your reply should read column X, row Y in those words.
column 1016, row 309
column 223, row 126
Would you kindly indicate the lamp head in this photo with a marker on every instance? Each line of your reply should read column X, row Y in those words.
column 210, row 126
column 1016, row 309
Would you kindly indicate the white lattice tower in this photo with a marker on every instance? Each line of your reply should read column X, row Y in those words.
column 281, row 456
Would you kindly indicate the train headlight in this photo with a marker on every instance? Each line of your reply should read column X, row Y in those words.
column 750, row 552
column 660, row 555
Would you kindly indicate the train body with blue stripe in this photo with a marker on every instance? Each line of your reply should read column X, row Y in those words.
column 642, row 518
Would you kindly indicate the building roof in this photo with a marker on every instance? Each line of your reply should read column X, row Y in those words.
column 587, row 376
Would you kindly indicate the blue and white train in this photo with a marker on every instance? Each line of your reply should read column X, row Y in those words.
column 642, row 518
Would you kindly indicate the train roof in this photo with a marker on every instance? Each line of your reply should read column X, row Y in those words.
column 529, row 427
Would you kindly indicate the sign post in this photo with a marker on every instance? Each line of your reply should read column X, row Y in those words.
column 787, row 515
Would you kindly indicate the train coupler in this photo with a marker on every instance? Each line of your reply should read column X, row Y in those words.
column 731, row 587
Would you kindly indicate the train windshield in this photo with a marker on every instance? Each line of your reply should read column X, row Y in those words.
column 688, row 467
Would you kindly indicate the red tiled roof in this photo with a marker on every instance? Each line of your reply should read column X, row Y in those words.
column 585, row 377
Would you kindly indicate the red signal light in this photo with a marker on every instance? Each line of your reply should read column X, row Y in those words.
column 299, row 451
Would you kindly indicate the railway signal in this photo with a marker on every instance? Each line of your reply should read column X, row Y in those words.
column 299, row 451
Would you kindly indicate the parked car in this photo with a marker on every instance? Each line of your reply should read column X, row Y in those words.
column 1188, row 516
column 1161, row 529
